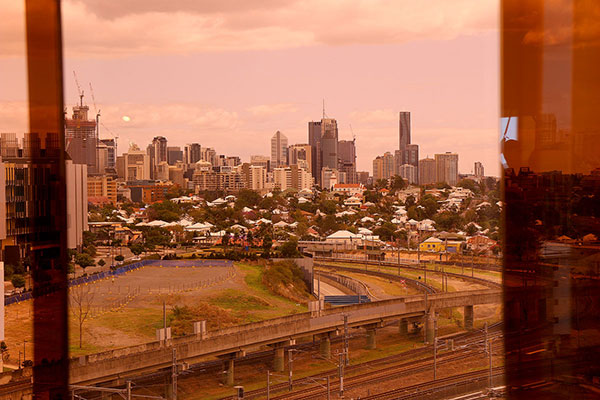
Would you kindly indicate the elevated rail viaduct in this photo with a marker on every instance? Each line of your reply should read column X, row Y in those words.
column 227, row 344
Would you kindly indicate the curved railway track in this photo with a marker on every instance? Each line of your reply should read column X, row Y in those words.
column 485, row 282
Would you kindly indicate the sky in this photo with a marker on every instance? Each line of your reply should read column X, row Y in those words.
column 229, row 73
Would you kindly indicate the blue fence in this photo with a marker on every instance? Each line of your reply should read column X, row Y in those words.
column 123, row 270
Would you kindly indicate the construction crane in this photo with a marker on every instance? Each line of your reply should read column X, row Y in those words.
column 98, row 123
column 78, row 89
column 353, row 135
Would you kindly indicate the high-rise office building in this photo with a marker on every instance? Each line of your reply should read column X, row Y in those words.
column 210, row 155
column 409, row 173
column 329, row 143
column 157, row 151
column 261, row 161
column 111, row 148
column 384, row 166
column 81, row 138
column 191, row 153
column 134, row 165
column 279, row 144
column 478, row 171
column 446, row 166
column 404, row 132
column 300, row 154
column 427, row 171
column 174, row 154
column 314, row 140
column 347, row 159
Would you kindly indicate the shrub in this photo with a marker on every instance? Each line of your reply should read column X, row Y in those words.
column 18, row 281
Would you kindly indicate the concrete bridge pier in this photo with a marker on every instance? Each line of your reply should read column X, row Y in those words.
column 228, row 366
column 325, row 345
column 429, row 326
column 403, row 326
column 279, row 355
column 371, row 337
column 468, row 317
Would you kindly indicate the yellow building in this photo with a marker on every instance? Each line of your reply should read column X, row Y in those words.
column 432, row 244
column 102, row 186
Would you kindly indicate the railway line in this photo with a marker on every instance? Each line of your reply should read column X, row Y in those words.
column 423, row 286
column 430, row 389
column 407, row 363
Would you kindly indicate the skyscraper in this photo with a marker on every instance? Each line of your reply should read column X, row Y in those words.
column 478, row 171
column 279, row 144
column 300, row 154
column 174, row 154
column 191, row 153
column 111, row 147
column 446, row 166
column 314, row 140
column 427, row 171
column 81, row 138
column 157, row 151
column 329, row 142
column 404, row 133
column 347, row 158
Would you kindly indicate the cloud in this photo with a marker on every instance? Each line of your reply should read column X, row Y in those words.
column 269, row 110
column 384, row 116
column 97, row 28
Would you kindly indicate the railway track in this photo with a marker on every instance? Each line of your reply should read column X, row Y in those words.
column 485, row 282
column 429, row 389
column 408, row 365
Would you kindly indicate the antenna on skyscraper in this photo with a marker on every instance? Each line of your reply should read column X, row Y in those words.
column 323, row 108
column 353, row 135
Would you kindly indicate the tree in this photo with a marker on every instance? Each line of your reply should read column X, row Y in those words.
column 267, row 243
column 81, row 298
column 18, row 281
column 225, row 240
column 136, row 249
column 101, row 263
column 119, row 258
column 84, row 260
column 290, row 249
column 398, row 183
column 247, row 198
column 91, row 250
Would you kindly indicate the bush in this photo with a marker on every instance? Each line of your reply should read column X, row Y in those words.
column 18, row 281
column 119, row 258
column 286, row 279
column 290, row 249
column 101, row 263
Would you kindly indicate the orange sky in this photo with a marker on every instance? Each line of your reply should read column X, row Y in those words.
column 228, row 74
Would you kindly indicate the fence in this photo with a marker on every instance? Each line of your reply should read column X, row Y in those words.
column 16, row 298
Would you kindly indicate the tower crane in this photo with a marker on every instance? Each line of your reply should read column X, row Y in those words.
column 78, row 89
column 98, row 122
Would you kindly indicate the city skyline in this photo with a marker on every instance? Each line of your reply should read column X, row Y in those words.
column 191, row 95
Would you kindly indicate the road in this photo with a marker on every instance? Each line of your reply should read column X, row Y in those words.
column 328, row 290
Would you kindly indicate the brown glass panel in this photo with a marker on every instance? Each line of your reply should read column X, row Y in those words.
column 551, row 132
column 44, row 149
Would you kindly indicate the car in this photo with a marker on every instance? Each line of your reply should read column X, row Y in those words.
column 136, row 258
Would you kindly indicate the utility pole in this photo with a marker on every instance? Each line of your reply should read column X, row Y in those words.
column 435, row 341
column 328, row 398
column 174, row 375
column 165, row 320
column 268, row 385
column 490, row 362
column 128, row 390
column 290, row 381
column 341, row 372
column 346, row 339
